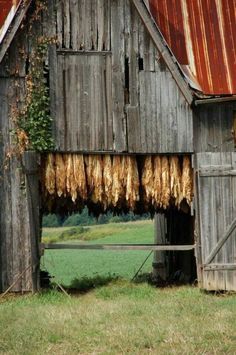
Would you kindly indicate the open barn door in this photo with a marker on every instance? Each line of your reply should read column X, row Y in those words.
column 216, row 196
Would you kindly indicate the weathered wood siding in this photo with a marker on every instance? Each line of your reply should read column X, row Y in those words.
column 216, row 197
column 19, row 184
column 213, row 125
column 110, row 90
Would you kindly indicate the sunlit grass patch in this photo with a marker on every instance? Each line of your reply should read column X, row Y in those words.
column 119, row 317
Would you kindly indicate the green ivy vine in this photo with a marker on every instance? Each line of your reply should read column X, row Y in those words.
column 34, row 123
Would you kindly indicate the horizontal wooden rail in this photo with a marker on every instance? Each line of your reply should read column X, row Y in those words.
column 213, row 267
column 217, row 173
column 155, row 247
column 82, row 52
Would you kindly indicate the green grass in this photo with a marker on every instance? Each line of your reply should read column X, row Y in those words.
column 119, row 318
column 67, row 265
column 113, row 315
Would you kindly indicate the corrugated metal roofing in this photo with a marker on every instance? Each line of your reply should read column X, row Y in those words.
column 202, row 36
column 7, row 11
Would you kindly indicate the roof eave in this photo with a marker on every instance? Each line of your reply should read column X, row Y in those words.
column 214, row 99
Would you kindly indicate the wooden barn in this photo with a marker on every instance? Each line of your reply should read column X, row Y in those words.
column 120, row 105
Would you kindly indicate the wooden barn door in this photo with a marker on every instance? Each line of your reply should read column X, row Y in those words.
column 216, row 219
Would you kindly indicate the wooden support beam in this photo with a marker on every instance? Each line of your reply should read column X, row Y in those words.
column 159, row 267
column 82, row 52
column 214, row 267
column 221, row 242
column 214, row 100
column 117, row 246
column 211, row 173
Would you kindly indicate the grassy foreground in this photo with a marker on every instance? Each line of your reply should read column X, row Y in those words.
column 119, row 318
column 68, row 265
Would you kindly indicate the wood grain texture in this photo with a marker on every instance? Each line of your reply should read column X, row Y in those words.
column 156, row 247
column 84, row 121
column 213, row 128
column 141, row 109
column 17, row 240
column 217, row 211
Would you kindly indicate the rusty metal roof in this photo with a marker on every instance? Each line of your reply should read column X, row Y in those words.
column 7, row 12
column 202, row 36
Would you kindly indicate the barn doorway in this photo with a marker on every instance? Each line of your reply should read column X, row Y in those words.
column 72, row 266
column 124, row 185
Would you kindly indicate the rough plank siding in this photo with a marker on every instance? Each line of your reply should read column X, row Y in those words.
column 213, row 128
column 217, row 210
column 83, row 24
column 137, row 107
column 83, row 116
column 19, row 226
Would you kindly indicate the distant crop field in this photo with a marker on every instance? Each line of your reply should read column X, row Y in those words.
column 67, row 265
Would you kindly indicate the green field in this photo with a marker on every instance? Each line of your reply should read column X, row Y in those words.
column 67, row 265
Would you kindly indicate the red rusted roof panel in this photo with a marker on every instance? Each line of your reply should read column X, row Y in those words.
column 202, row 35
column 7, row 12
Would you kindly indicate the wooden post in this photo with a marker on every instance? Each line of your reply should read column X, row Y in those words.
column 159, row 267
column 31, row 166
column 19, row 225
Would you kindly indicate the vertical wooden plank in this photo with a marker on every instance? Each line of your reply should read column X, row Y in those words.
column 70, row 103
column 132, row 55
column 197, row 223
column 66, row 24
column 74, row 24
column 148, row 114
column 157, row 144
column 117, row 40
column 96, row 18
column 88, row 25
column 59, row 129
column 107, row 25
column 81, row 24
column 148, row 54
column 5, row 188
column 159, row 263
column 172, row 118
column 31, row 166
column 153, row 112
column 233, row 194
column 143, row 104
column 108, row 91
column 133, row 129
column 60, row 28
column 101, row 21
column 84, row 100
column 165, row 107
column 229, row 214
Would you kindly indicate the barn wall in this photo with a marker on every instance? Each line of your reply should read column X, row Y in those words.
column 216, row 193
column 213, row 125
column 109, row 88
column 214, row 144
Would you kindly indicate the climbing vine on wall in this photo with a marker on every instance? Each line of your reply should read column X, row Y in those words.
column 33, row 123
column 34, row 119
